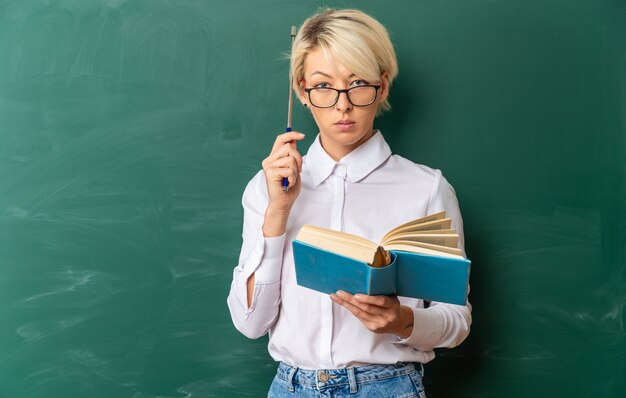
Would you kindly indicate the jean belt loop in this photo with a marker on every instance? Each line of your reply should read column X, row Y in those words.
column 352, row 380
column 420, row 369
column 292, row 372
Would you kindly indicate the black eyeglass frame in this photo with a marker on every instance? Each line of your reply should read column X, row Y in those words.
column 308, row 91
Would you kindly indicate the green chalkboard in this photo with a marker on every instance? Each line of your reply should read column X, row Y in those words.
column 129, row 128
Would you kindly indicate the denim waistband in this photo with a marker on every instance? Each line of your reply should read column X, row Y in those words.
column 351, row 375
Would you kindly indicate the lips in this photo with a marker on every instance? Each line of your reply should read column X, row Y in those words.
column 345, row 125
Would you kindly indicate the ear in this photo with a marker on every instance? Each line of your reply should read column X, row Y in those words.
column 301, row 93
column 384, row 86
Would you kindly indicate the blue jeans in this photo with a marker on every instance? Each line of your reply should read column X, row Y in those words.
column 400, row 380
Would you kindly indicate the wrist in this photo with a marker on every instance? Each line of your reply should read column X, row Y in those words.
column 275, row 223
column 277, row 212
column 406, row 322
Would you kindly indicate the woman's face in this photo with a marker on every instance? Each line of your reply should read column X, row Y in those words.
column 343, row 127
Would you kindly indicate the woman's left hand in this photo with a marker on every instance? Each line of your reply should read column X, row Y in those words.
column 380, row 314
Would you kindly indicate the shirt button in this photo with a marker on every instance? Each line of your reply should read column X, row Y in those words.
column 341, row 170
column 324, row 377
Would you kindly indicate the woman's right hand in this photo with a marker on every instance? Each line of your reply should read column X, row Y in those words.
column 283, row 162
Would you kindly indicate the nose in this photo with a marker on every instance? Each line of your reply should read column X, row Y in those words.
column 343, row 103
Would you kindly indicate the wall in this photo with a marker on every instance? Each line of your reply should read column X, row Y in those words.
column 128, row 130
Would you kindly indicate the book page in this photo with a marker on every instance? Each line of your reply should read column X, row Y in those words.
column 345, row 248
column 421, row 250
column 443, row 224
column 339, row 235
column 431, row 232
column 443, row 239
column 430, row 218
column 443, row 249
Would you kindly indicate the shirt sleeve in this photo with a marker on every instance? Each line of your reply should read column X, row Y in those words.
column 441, row 324
column 262, row 257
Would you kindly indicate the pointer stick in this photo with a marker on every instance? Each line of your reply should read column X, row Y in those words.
column 288, row 129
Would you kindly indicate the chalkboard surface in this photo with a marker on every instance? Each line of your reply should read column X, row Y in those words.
column 128, row 130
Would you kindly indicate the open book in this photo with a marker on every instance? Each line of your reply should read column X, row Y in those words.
column 417, row 259
column 428, row 235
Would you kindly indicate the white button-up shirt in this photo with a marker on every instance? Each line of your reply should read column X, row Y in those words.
column 367, row 193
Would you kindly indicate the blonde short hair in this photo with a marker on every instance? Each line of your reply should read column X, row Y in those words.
column 355, row 39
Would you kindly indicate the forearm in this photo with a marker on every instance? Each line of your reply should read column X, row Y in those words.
column 254, row 297
column 275, row 224
column 441, row 325
column 255, row 321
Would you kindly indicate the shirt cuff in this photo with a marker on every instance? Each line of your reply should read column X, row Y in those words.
column 426, row 329
column 271, row 259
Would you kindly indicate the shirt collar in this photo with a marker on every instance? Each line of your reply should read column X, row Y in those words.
column 359, row 163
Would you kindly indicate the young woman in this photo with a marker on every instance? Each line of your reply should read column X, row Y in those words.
column 343, row 65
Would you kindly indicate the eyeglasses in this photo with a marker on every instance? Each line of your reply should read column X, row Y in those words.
column 326, row 97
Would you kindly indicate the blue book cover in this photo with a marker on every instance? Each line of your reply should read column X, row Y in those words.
column 427, row 277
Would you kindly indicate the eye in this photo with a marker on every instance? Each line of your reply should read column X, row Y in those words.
column 359, row 83
column 321, row 85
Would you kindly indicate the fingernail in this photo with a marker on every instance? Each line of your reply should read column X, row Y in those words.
column 302, row 135
column 340, row 293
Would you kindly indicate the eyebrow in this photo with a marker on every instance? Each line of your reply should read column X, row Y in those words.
column 327, row 75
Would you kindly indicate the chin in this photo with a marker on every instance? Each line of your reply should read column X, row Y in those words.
column 354, row 134
column 340, row 143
